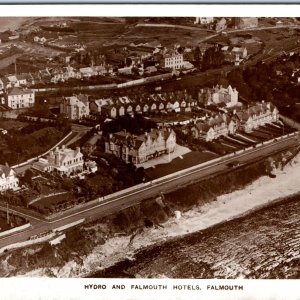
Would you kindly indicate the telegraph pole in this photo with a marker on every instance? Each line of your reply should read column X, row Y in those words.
column 7, row 213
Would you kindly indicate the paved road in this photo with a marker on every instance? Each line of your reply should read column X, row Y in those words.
column 90, row 212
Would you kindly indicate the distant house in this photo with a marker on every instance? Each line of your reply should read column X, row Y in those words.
column 13, row 81
column 172, row 60
column 63, row 161
column 211, row 128
column 256, row 115
column 125, row 70
column 101, row 70
column 91, row 144
column 41, row 40
column 234, row 54
column 8, row 179
column 121, row 110
column 88, row 72
column 110, row 111
column 217, row 95
column 204, row 20
column 202, row 131
column 240, row 51
column 138, row 149
column 220, row 24
column 96, row 105
column 65, row 58
column 24, row 79
column 138, row 108
column 129, row 109
column 243, row 22
column 75, row 107
column 20, row 98
column 56, row 75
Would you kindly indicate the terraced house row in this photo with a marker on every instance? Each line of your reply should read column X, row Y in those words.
column 77, row 107
column 244, row 119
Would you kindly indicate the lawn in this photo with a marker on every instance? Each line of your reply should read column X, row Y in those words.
column 260, row 135
column 12, row 124
column 231, row 143
column 19, row 146
column 52, row 200
column 243, row 140
column 190, row 159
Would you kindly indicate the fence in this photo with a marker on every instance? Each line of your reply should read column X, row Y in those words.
column 109, row 86
column 16, row 229
column 69, row 225
column 27, row 243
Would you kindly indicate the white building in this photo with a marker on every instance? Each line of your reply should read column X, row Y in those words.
column 88, row 72
column 64, row 161
column 75, row 107
column 228, row 95
column 20, row 98
column 172, row 60
column 8, row 179
column 204, row 20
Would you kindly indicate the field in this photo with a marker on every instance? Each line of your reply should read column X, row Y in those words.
column 190, row 159
column 166, row 36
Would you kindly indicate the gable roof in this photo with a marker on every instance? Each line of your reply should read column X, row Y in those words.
column 16, row 91
column 5, row 169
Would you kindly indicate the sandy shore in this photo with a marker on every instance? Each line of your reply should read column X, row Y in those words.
column 260, row 193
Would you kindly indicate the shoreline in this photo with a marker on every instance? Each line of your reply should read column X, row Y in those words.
column 239, row 216
column 261, row 193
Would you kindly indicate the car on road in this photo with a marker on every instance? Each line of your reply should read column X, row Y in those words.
column 233, row 164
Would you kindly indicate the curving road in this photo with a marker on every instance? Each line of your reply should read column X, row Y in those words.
column 184, row 178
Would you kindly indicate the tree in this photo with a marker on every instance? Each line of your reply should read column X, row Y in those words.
column 27, row 178
column 197, row 57
column 63, row 123
column 213, row 58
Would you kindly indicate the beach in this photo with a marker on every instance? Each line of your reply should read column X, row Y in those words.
column 255, row 196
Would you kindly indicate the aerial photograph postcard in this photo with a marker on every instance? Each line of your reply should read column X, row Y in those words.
column 150, row 147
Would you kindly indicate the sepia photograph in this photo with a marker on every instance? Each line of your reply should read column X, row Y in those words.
column 150, row 147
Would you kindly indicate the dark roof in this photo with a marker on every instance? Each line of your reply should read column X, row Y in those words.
column 17, row 91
